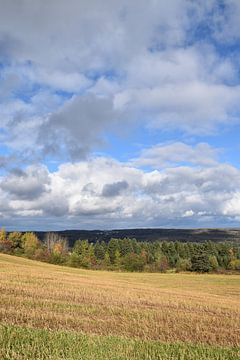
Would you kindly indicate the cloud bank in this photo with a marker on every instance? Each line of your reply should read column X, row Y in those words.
column 110, row 194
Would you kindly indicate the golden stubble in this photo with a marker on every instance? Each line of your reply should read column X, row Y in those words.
column 166, row 307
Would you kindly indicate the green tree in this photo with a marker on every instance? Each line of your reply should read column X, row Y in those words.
column 133, row 262
column 81, row 247
column 126, row 246
column 107, row 261
column 183, row 265
column 91, row 255
column 213, row 262
column 16, row 238
column 74, row 260
column 117, row 261
column 200, row 262
column 112, row 248
column 99, row 251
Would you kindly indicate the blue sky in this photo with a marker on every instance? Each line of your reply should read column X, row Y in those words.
column 119, row 114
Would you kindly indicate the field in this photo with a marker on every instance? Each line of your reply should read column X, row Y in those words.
column 53, row 312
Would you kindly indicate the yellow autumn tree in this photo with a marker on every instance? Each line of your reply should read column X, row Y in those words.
column 3, row 235
column 30, row 243
column 5, row 243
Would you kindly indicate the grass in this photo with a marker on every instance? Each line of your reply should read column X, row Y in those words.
column 83, row 314
column 18, row 343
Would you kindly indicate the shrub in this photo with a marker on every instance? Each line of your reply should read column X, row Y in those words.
column 234, row 264
column 74, row 260
column 183, row 265
column 213, row 262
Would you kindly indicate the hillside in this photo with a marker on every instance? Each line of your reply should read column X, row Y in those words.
column 182, row 235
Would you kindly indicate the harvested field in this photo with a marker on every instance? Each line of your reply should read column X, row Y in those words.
column 167, row 308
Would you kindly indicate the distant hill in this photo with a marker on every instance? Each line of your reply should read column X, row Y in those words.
column 182, row 235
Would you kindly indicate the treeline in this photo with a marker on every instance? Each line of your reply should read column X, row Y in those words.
column 125, row 254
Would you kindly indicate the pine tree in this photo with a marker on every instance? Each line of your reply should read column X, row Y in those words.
column 99, row 251
column 200, row 262
column 112, row 248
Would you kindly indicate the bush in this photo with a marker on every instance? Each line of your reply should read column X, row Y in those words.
column 162, row 264
column 57, row 259
column 213, row 262
column 183, row 265
column 234, row 264
column 74, row 260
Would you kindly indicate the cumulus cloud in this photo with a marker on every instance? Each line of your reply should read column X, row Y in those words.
column 27, row 185
column 80, row 194
column 77, row 127
column 89, row 34
column 189, row 89
column 114, row 189
column 232, row 208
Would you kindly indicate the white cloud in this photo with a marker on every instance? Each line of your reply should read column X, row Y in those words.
column 29, row 184
column 162, row 155
column 232, row 207
column 181, row 89
column 57, row 80
column 182, row 195
column 74, row 72
column 80, row 34
column 137, row 58
column 77, row 126
column 188, row 213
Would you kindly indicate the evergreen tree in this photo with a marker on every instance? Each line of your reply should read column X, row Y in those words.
column 112, row 248
column 107, row 261
column 125, row 246
column 117, row 261
column 81, row 247
column 200, row 262
column 133, row 262
column 99, row 251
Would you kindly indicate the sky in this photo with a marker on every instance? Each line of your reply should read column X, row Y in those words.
column 119, row 114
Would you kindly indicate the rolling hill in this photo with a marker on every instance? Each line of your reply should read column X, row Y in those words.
column 152, row 234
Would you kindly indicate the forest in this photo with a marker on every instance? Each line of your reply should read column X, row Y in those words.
column 125, row 254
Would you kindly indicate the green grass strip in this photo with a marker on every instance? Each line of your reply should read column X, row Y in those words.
column 24, row 343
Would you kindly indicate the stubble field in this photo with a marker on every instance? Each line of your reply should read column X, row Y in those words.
column 53, row 312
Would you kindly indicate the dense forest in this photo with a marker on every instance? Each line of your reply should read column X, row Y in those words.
column 125, row 254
